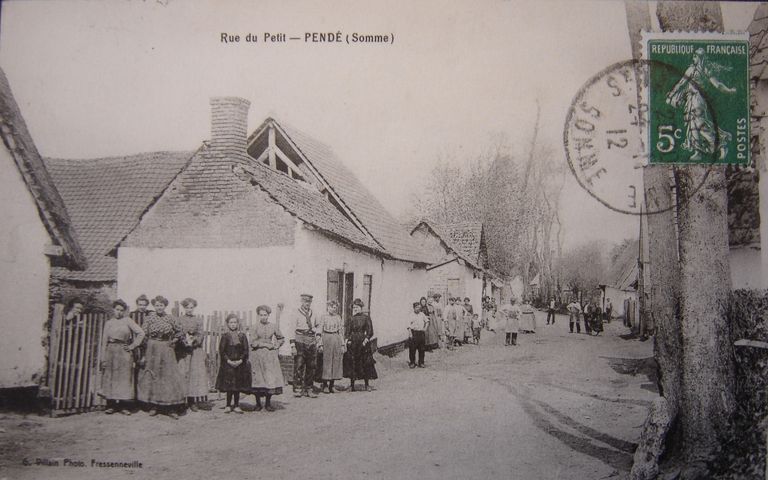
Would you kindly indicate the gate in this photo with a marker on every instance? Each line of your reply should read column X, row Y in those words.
column 73, row 362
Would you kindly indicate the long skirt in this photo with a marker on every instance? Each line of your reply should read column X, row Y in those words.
column 192, row 366
column 234, row 379
column 333, row 356
column 359, row 363
column 161, row 381
column 432, row 335
column 267, row 376
column 117, row 378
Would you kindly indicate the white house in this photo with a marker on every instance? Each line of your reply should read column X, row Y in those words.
column 260, row 219
column 36, row 235
column 459, row 259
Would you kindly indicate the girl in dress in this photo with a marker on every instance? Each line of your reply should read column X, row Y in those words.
column 265, row 365
column 121, row 336
column 332, row 344
column 234, row 370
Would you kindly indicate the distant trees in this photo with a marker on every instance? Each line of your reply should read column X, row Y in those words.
column 517, row 199
column 583, row 268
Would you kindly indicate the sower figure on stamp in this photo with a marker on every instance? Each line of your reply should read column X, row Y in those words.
column 304, row 347
column 701, row 134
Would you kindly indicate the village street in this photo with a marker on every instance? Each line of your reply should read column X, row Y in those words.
column 558, row 406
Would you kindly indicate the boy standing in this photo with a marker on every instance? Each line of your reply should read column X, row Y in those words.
column 416, row 331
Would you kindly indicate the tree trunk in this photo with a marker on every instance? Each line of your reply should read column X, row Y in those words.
column 690, row 280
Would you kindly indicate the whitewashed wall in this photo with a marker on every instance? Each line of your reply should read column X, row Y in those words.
column 395, row 285
column 24, row 285
column 218, row 278
column 745, row 262
column 471, row 284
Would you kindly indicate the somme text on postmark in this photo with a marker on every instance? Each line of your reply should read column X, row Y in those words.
column 611, row 134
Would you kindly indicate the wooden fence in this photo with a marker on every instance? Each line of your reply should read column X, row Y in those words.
column 73, row 361
column 75, row 354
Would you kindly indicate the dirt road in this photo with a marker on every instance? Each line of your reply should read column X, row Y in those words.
column 557, row 406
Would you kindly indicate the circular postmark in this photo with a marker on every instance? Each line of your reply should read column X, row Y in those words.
column 605, row 138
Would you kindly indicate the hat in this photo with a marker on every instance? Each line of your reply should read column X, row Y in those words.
column 159, row 299
column 189, row 302
column 141, row 298
column 466, row 299
column 416, row 304
column 264, row 308
column 121, row 303
column 306, row 295
column 358, row 302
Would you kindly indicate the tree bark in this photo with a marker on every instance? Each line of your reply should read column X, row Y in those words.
column 690, row 281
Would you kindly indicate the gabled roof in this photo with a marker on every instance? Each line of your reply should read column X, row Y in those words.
column 50, row 205
column 623, row 273
column 467, row 237
column 309, row 205
column 106, row 198
column 219, row 202
column 364, row 208
column 461, row 239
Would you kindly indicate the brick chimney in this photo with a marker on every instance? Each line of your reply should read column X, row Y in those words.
column 229, row 125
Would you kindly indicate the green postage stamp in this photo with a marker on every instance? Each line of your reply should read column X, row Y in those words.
column 698, row 94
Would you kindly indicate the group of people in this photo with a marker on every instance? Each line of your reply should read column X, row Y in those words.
column 433, row 326
column 158, row 358
column 590, row 312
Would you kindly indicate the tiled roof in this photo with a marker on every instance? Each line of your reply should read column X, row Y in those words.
column 50, row 205
column 106, row 197
column 381, row 225
column 463, row 239
column 466, row 236
column 308, row 204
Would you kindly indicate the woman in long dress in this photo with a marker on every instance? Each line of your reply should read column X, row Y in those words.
column 266, row 339
column 358, row 331
column 332, row 345
column 432, row 338
column 191, row 356
column 234, row 374
column 161, row 383
column 121, row 336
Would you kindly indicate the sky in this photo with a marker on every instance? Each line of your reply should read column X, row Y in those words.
column 119, row 77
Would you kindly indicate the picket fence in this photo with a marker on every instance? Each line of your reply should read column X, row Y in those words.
column 75, row 352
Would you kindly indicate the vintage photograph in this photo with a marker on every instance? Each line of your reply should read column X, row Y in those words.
column 507, row 239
